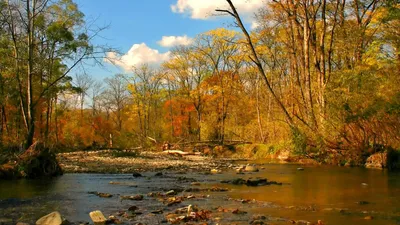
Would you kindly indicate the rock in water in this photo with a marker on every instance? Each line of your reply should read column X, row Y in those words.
column 159, row 174
column 368, row 218
column 136, row 174
column 215, row 171
column 97, row 217
column 170, row 193
column 131, row 197
column 250, row 169
column 53, row 218
column 377, row 160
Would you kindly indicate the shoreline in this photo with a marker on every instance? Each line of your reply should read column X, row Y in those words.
column 105, row 161
column 123, row 162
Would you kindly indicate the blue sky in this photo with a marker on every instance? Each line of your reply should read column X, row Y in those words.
column 139, row 26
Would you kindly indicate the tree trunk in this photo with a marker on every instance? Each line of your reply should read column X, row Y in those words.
column 256, row 60
column 31, row 106
column 260, row 127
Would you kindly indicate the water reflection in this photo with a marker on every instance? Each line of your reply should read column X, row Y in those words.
column 328, row 193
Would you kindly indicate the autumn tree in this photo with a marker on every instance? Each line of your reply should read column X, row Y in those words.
column 48, row 39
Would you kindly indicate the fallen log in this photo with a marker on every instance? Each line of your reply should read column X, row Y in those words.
column 180, row 153
column 211, row 142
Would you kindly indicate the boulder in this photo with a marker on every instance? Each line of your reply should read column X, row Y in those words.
column 377, row 160
column 136, row 174
column 132, row 208
column 256, row 182
column 389, row 159
column 98, row 218
column 283, row 155
column 53, row 218
column 251, row 182
column 249, row 168
column 159, row 174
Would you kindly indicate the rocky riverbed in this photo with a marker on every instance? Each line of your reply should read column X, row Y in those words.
column 156, row 188
column 169, row 197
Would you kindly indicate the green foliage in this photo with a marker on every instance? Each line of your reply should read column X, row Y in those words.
column 299, row 141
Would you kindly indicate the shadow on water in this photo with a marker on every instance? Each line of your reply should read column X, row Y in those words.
column 334, row 195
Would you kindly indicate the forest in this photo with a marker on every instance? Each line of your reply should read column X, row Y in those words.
column 315, row 76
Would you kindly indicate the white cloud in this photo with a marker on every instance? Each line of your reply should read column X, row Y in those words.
column 170, row 41
column 254, row 24
column 204, row 9
column 137, row 55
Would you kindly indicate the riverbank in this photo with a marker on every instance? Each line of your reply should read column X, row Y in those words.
column 219, row 158
column 112, row 161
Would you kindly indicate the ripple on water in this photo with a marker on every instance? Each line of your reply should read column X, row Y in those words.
column 330, row 194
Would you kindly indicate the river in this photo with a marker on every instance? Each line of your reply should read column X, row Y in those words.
column 334, row 195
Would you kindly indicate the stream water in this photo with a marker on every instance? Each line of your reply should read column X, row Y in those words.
column 335, row 195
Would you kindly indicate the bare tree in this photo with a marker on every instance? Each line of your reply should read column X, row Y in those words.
column 83, row 82
column 94, row 94
column 256, row 59
column 117, row 95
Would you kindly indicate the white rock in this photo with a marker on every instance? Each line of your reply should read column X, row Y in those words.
column 250, row 169
column 215, row 171
column 98, row 217
column 53, row 218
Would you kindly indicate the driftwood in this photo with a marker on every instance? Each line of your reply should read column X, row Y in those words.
column 180, row 153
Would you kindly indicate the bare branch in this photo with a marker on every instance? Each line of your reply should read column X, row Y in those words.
column 225, row 11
